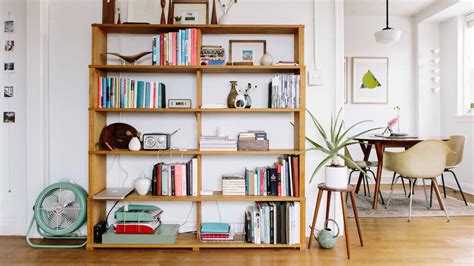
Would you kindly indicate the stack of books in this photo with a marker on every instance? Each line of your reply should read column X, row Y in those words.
column 212, row 55
column 215, row 232
column 284, row 91
column 282, row 179
column 253, row 140
column 214, row 143
column 179, row 179
column 128, row 93
column 137, row 219
column 176, row 48
column 233, row 185
column 273, row 223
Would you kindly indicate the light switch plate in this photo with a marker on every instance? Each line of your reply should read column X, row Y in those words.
column 315, row 77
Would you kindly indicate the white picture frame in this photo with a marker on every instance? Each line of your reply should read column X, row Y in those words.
column 370, row 80
column 191, row 13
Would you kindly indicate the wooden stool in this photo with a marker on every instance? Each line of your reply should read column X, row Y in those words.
column 350, row 189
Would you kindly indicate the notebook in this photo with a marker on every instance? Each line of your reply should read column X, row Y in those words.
column 221, row 228
column 113, row 193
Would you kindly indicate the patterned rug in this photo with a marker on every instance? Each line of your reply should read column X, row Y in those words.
column 399, row 205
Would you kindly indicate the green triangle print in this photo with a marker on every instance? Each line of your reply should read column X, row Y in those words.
column 369, row 81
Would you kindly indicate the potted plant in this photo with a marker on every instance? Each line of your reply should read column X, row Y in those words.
column 335, row 140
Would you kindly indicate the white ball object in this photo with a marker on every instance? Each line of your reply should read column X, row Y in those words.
column 266, row 60
column 142, row 185
column 134, row 144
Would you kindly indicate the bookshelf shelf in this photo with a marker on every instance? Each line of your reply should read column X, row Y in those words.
column 97, row 181
column 193, row 152
column 197, row 110
column 193, row 69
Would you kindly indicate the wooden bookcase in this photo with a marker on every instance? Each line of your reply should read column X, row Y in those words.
column 96, row 210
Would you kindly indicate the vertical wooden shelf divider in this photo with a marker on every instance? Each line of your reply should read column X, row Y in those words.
column 96, row 210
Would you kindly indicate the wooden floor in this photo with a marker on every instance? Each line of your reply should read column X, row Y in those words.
column 388, row 241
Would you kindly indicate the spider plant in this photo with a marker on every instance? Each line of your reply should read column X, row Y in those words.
column 336, row 139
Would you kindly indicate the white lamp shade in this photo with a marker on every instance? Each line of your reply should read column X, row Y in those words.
column 388, row 35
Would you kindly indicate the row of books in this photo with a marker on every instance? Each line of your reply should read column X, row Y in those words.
column 215, row 232
column 129, row 93
column 282, row 179
column 178, row 179
column 215, row 143
column 273, row 223
column 284, row 91
column 176, row 48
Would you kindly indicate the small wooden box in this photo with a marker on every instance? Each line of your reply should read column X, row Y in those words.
column 253, row 145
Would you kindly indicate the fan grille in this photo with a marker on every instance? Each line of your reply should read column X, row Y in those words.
column 60, row 209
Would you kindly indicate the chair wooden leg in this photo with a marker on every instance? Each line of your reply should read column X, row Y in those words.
column 438, row 196
column 356, row 216
column 328, row 204
column 316, row 209
column 346, row 228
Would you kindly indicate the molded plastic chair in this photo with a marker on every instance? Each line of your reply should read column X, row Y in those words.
column 456, row 143
column 425, row 160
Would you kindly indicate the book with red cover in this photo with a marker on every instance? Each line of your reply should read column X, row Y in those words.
column 278, row 168
column 173, row 47
column 137, row 227
column 159, row 180
column 162, row 49
column 295, row 175
column 178, row 182
column 262, row 182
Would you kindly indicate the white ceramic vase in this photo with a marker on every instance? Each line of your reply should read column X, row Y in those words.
column 336, row 177
column 224, row 19
column 266, row 60
column 142, row 185
column 134, row 144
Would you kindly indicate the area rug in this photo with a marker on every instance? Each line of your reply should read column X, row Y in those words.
column 398, row 206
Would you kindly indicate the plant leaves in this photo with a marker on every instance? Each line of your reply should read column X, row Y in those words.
column 321, row 164
column 353, row 163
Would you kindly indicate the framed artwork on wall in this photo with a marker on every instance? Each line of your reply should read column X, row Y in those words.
column 346, row 79
column 370, row 80
column 191, row 11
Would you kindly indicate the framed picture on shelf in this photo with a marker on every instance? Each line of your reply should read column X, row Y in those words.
column 370, row 80
column 247, row 51
column 191, row 11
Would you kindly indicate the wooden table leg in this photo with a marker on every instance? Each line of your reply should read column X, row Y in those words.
column 346, row 228
column 328, row 204
column 379, row 150
column 356, row 216
column 438, row 196
column 316, row 209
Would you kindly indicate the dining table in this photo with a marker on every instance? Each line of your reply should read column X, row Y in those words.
column 381, row 143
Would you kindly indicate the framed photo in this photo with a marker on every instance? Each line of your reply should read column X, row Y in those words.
column 9, row 46
column 9, row 67
column 8, row 26
column 247, row 51
column 370, row 80
column 191, row 11
column 346, row 79
column 143, row 11
column 8, row 91
column 8, row 117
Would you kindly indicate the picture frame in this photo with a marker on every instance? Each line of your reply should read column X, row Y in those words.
column 346, row 79
column 192, row 12
column 246, row 51
column 370, row 80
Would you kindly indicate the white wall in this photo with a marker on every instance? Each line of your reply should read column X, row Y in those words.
column 62, row 109
column 453, row 123
column 359, row 41
column 12, row 136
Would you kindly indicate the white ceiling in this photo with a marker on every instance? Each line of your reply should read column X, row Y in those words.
column 377, row 7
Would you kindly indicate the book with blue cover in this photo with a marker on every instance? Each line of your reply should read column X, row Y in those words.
column 217, row 228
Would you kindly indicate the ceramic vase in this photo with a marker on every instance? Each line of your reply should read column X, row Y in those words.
column 266, row 60
column 232, row 94
column 224, row 19
column 142, row 185
column 134, row 144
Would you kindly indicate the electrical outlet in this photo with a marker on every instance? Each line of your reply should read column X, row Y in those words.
column 315, row 77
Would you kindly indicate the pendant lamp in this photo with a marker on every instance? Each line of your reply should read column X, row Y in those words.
column 387, row 34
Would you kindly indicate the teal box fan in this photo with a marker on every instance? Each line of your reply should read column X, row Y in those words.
column 60, row 210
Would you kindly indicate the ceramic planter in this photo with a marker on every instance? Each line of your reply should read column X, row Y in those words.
column 336, row 176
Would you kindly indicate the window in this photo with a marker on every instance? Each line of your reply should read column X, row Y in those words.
column 469, row 64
